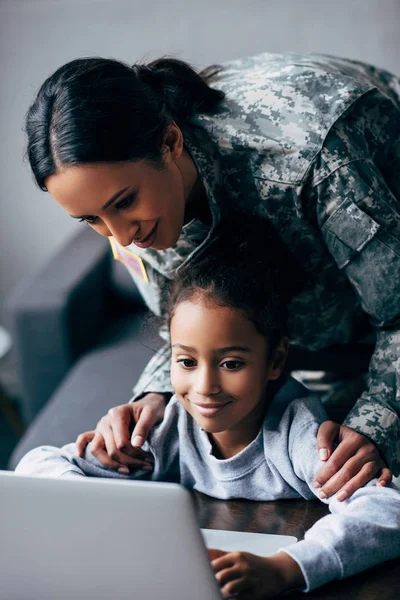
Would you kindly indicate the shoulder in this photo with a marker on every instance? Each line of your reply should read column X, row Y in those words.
column 281, row 107
column 290, row 432
column 294, row 407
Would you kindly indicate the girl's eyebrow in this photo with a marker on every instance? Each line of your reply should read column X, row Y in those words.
column 234, row 349
column 218, row 350
column 107, row 204
column 187, row 348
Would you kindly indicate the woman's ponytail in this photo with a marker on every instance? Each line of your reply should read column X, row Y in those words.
column 184, row 92
column 95, row 110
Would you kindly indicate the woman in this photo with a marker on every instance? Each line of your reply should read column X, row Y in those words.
column 153, row 157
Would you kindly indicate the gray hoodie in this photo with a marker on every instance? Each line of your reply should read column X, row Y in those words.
column 281, row 462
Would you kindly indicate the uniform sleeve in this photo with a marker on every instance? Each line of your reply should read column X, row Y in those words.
column 360, row 532
column 156, row 376
column 358, row 212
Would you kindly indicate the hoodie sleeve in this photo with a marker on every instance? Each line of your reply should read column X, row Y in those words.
column 360, row 532
column 49, row 461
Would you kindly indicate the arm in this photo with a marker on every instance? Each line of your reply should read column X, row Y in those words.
column 49, row 461
column 331, row 548
column 358, row 213
column 63, row 462
column 361, row 532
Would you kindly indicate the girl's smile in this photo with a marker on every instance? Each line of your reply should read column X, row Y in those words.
column 209, row 409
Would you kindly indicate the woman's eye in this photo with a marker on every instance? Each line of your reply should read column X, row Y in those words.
column 187, row 363
column 88, row 220
column 231, row 365
column 125, row 202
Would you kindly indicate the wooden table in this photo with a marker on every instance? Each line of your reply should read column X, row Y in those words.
column 294, row 517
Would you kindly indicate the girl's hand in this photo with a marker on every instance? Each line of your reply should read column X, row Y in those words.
column 119, row 435
column 254, row 577
column 355, row 461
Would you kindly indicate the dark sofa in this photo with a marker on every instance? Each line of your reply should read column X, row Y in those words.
column 79, row 340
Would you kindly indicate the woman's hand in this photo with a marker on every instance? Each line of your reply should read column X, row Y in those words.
column 355, row 461
column 254, row 577
column 119, row 435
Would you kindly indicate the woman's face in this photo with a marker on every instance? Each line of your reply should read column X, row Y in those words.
column 135, row 202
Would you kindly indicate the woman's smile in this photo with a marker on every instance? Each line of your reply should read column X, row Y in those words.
column 149, row 240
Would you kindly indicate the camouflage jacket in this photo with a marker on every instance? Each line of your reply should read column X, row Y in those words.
column 311, row 143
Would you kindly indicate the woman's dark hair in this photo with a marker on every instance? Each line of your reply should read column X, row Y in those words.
column 247, row 267
column 101, row 110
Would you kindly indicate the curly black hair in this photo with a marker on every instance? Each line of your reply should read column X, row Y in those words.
column 247, row 267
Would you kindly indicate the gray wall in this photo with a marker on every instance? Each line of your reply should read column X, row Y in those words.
column 36, row 36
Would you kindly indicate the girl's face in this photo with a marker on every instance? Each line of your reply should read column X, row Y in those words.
column 220, row 368
column 135, row 202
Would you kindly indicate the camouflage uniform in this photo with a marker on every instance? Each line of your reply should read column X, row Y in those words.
column 312, row 143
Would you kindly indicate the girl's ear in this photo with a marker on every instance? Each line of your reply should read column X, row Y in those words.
column 278, row 359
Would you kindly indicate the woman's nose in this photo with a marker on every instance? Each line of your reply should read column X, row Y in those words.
column 206, row 382
column 122, row 232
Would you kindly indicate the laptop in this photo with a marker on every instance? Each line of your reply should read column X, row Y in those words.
column 102, row 539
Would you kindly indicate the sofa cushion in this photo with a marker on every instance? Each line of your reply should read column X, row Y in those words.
column 101, row 379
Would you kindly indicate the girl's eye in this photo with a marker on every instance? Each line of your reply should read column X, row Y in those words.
column 125, row 202
column 232, row 365
column 187, row 363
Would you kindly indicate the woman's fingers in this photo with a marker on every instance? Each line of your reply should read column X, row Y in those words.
column 146, row 420
column 352, row 476
column 354, row 463
column 385, row 477
column 116, row 428
column 114, row 449
column 120, row 420
column 98, row 449
column 128, row 457
column 327, row 433
column 339, row 458
column 82, row 441
column 367, row 472
column 147, row 412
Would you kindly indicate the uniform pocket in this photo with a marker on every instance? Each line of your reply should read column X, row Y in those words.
column 347, row 231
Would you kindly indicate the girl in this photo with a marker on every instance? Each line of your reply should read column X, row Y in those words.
column 238, row 428
column 154, row 156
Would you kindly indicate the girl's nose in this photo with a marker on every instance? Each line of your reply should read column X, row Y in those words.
column 206, row 382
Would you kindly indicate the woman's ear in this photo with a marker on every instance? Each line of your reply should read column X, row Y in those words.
column 278, row 359
column 173, row 143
